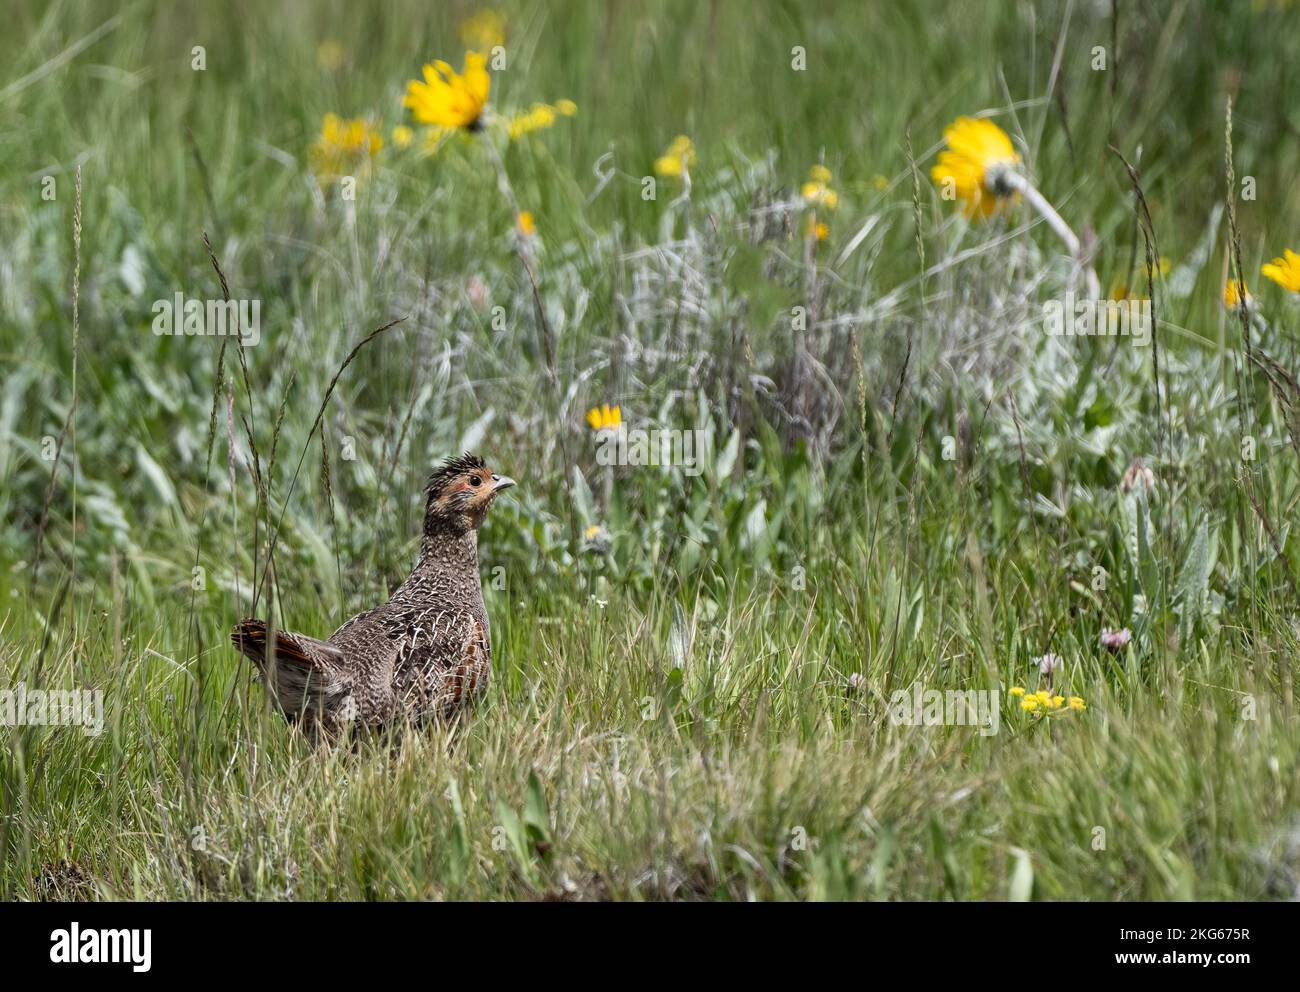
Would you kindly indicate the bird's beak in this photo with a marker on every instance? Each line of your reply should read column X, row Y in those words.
column 500, row 482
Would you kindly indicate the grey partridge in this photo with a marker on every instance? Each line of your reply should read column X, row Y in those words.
column 426, row 653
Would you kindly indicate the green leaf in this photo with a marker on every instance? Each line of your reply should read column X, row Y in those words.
column 943, row 853
column 517, row 838
column 727, row 458
column 459, row 835
column 586, row 503
column 1194, row 579
column 886, row 845
column 1100, row 414
column 536, row 816
column 537, row 819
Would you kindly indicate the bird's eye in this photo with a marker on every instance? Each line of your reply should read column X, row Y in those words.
column 474, row 480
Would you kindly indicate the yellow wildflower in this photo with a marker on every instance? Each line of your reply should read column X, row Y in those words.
column 526, row 224
column 1231, row 297
column 538, row 118
column 1029, row 703
column 1043, row 696
column 402, row 136
column 1058, row 702
column 816, row 229
column 1077, row 703
column 345, row 147
column 880, row 182
column 592, row 532
column 484, row 31
column 976, row 165
column 446, row 99
column 817, row 191
column 1016, row 690
column 1285, row 271
column 604, row 417
column 679, row 158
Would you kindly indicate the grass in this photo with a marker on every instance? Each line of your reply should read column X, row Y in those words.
column 913, row 484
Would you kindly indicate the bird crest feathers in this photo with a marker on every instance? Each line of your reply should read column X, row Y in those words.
column 451, row 468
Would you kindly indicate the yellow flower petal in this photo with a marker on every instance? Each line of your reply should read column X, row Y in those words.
column 978, row 153
column 604, row 417
column 1285, row 271
column 345, row 147
column 448, row 100
column 1230, row 296
column 680, row 155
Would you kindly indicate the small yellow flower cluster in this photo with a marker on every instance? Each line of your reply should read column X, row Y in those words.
column 526, row 224
column 447, row 101
column 1044, row 702
column 817, row 190
column 345, row 147
column 539, row 117
column 605, row 417
column 679, row 157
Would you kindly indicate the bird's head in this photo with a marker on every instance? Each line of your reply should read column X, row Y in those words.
column 459, row 493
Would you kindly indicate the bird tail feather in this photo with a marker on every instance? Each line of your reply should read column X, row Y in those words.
column 295, row 668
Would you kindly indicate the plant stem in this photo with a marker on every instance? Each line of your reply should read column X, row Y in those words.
column 1054, row 220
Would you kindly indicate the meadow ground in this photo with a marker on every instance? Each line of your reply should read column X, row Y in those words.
column 907, row 483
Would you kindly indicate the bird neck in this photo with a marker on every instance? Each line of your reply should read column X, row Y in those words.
column 449, row 549
column 447, row 566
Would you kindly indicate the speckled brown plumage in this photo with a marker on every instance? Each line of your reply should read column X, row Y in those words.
column 425, row 653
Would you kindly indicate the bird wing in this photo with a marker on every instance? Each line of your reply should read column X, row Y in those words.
column 417, row 661
column 443, row 658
